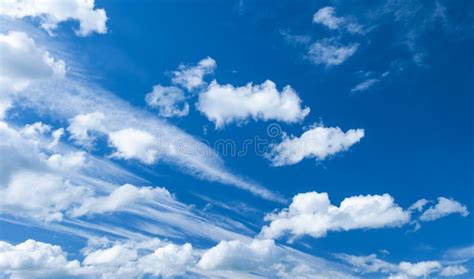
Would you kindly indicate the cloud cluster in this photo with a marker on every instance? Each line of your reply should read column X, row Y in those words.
column 403, row 270
column 224, row 104
column 23, row 62
column 52, row 12
column 313, row 214
column 153, row 257
column 318, row 142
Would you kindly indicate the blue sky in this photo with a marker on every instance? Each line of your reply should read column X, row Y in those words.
column 124, row 127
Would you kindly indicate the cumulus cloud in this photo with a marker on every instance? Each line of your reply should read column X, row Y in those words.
column 443, row 208
column 23, row 62
column 41, row 196
column 169, row 100
column 191, row 77
column 52, row 12
column 327, row 17
column 239, row 255
column 134, row 144
column 372, row 264
column 169, row 260
column 32, row 259
column 366, row 84
column 83, row 126
column 329, row 52
column 313, row 214
column 224, row 104
column 318, row 142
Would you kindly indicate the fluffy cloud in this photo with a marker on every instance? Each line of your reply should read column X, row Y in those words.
column 443, row 208
column 318, row 142
column 169, row 100
column 52, row 12
column 191, row 77
column 313, row 214
column 23, row 62
column 35, row 259
column 239, row 255
column 82, row 127
column 327, row 17
column 134, row 144
column 224, row 104
column 330, row 52
column 371, row 264
column 41, row 196
column 169, row 260
column 121, row 198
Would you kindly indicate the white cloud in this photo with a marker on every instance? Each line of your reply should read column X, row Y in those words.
column 41, row 196
column 134, row 144
column 35, row 259
column 224, row 104
column 454, row 270
column 330, row 52
column 462, row 253
column 327, row 17
column 365, row 85
column 418, row 205
column 318, row 142
column 138, row 258
column 82, row 126
column 443, row 208
column 121, row 198
column 191, row 77
column 169, row 100
column 313, row 214
column 53, row 12
column 23, row 62
column 69, row 161
column 371, row 264
column 239, row 255
column 169, row 260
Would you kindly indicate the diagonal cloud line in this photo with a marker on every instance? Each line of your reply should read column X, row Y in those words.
column 68, row 98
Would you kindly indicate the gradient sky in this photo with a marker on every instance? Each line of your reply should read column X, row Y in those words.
column 236, row 139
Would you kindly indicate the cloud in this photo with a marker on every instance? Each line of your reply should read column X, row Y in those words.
column 326, row 16
column 51, row 13
column 191, row 77
column 169, row 260
column 418, row 205
column 169, row 100
column 238, row 255
column 318, row 142
column 371, row 264
column 42, row 196
column 224, row 104
column 23, row 62
column 82, row 126
column 123, row 197
column 462, row 254
column 313, row 214
column 454, row 270
column 35, row 259
column 134, row 144
column 365, row 85
column 443, row 208
column 102, row 113
column 330, row 52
